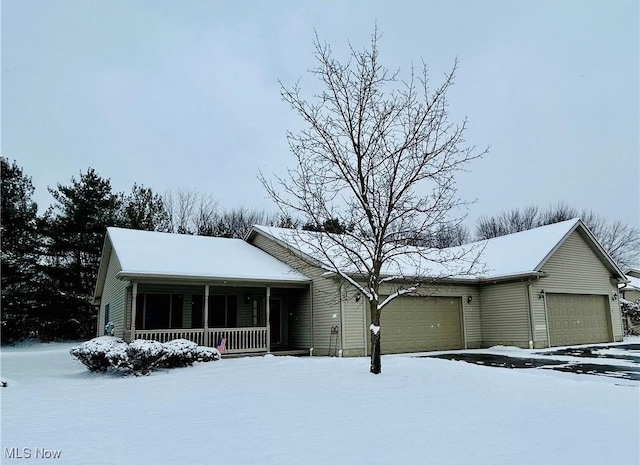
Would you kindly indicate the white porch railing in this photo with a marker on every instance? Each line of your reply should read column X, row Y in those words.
column 239, row 340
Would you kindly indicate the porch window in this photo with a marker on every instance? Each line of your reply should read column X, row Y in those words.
column 197, row 311
column 159, row 311
column 223, row 311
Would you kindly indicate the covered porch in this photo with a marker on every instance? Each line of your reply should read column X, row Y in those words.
column 251, row 317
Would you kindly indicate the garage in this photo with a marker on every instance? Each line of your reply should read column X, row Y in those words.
column 578, row 319
column 417, row 324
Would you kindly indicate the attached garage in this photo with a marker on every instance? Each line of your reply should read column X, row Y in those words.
column 417, row 324
column 578, row 319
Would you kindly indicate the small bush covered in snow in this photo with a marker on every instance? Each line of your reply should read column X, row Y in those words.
column 140, row 356
column 631, row 311
column 94, row 354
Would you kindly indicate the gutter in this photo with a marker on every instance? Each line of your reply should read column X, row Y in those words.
column 127, row 275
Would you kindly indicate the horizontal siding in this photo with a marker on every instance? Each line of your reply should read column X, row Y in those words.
column 113, row 294
column 504, row 314
column 471, row 326
column 353, row 321
column 317, row 311
column 575, row 269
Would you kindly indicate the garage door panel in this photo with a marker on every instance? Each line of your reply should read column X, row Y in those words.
column 415, row 324
column 578, row 319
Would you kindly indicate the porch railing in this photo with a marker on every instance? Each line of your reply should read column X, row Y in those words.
column 239, row 340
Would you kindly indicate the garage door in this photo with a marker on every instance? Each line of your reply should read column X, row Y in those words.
column 416, row 324
column 578, row 319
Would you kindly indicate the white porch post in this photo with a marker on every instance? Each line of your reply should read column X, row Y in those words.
column 268, row 308
column 134, row 301
column 206, row 314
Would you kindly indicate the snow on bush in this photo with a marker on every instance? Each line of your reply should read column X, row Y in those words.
column 140, row 357
column 632, row 311
column 94, row 354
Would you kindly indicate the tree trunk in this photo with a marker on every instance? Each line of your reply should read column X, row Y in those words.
column 376, row 365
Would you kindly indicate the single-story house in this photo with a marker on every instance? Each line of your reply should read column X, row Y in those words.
column 548, row 286
column 631, row 290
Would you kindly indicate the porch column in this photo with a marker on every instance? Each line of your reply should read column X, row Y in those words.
column 134, row 301
column 267, row 308
column 206, row 314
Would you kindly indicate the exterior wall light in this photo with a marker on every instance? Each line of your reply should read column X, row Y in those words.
column 469, row 299
column 614, row 296
column 541, row 294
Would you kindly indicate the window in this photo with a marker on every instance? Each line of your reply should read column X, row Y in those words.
column 159, row 311
column 223, row 311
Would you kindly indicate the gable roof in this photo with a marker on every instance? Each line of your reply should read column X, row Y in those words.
column 147, row 254
column 514, row 255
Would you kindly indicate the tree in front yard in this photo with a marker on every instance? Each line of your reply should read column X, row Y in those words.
column 378, row 154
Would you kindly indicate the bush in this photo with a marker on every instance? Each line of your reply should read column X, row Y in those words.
column 95, row 354
column 140, row 357
column 144, row 356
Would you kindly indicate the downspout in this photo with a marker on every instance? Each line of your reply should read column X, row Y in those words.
column 531, row 319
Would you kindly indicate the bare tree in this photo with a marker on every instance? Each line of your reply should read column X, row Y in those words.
column 621, row 241
column 378, row 153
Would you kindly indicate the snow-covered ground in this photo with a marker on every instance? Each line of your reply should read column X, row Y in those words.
column 285, row 410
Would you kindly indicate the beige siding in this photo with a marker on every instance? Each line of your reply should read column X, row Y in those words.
column 574, row 269
column 471, row 325
column 353, row 321
column 326, row 296
column 504, row 314
column 113, row 294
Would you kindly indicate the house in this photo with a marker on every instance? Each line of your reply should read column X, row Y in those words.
column 548, row 286
column 631, row 290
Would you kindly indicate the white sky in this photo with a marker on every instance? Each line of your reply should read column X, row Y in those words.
column 185, row 94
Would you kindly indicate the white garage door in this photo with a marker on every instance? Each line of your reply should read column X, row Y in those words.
column 578, row 319
column 417, row 324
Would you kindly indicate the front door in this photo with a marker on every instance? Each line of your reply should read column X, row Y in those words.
column 275, row 315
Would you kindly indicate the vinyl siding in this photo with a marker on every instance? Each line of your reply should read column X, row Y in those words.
column 504, row 314
column 113, row 294
column 353, row 319
column 574, row 269
column 325, row 300
column 471, row 324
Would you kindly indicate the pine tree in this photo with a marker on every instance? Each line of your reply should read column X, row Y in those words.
column 142, row 209
column 19, row 253
column 75, row 228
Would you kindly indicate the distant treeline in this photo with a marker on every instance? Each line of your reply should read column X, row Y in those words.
column 50, row 261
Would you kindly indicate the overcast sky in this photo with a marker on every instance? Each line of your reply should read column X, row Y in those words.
column 185, row 94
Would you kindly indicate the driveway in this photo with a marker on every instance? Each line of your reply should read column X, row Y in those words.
column 620, row 360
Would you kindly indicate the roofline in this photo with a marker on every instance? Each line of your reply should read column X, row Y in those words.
column 289, row 247
column 470, row 280
column 107, row 250
column 132, row 275
column 600, row 252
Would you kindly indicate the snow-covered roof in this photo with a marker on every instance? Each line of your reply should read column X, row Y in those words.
column 156, row 254
column 518, row 254
column 633, row 284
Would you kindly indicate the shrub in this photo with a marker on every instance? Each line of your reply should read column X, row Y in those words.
column 95, row 354
column 179, row 353
column 140, row 357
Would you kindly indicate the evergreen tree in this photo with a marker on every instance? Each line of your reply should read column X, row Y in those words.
column 19, row 245
column 75, row 228
column 142, row 209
